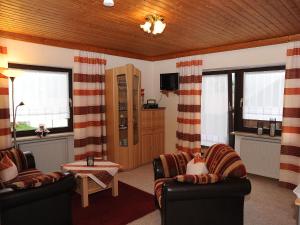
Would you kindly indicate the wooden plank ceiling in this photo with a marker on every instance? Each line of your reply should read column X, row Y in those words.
column 191, row 24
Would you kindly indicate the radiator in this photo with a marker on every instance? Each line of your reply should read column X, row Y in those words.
column 261, row 157
column 49, row 152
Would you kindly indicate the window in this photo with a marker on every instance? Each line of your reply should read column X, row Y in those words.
column 47, row 95
column 263, row 95
column 214, row 110
column 235, row 100
column 259, row 97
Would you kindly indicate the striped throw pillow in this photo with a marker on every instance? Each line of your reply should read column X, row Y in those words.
column 196, row 166
column 16, row 156
column 8, row 170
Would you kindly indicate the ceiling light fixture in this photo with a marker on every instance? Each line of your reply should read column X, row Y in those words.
column 154, row 24
column 108, row 3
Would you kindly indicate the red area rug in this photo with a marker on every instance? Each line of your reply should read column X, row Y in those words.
column 104, row 209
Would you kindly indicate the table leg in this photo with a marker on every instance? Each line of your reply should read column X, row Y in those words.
column 298, row 216
column 115, row 186
column 84, row 192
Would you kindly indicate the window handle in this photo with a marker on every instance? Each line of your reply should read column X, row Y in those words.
column 229, row 106
column 70, row 102
column 241, row 103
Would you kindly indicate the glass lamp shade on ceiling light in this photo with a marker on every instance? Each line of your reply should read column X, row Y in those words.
column 108, row 3
column 159, row 27
column 146, row 27
column 154, row 24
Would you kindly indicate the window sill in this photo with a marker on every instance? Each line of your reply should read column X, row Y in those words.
column 254, row 135
column 48, row 137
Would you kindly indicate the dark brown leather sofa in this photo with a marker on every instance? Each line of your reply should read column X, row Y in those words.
column 210, row 204
column 45, row 205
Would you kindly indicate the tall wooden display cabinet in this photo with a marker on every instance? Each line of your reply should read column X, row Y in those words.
column 123, row 105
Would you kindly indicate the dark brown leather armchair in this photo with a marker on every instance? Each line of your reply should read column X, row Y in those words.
column 47, row 205
column 210, row 204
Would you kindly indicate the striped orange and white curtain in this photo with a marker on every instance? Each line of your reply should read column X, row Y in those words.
column 89, row 105
column 5, row 132
column 189, row 107
column 290, row 142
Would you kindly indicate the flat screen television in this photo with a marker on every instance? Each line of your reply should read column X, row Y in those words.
column 169, row 81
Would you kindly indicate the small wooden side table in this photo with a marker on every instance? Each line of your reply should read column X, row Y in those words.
column 87, row 186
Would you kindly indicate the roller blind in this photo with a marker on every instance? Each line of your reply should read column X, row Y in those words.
column 263, row 95
column 46, row 98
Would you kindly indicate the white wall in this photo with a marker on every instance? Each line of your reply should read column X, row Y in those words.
column 244, row 58
column 37, row 54
column 44, row 55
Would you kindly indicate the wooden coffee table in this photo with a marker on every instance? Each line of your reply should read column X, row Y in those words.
column 86, row 185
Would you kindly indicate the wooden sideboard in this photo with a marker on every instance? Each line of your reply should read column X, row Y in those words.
column 152, row 134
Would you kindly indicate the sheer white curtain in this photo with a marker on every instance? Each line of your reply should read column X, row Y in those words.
column 46, row 97
column 263, row 95
column 214, row 110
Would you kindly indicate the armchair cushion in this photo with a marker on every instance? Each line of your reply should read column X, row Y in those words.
column 175, row 164
column 200, row 179
column 16, row 156
column 33, row 178
column 223, row 160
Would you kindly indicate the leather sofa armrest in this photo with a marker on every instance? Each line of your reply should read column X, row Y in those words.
column 30, row 159
column 5, row 191
column 230, row 187
column 158, row 169
column 15, row 198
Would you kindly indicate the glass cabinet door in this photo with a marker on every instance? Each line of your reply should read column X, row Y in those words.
column 135, row 105
column 123, row 113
